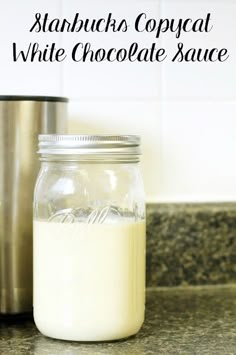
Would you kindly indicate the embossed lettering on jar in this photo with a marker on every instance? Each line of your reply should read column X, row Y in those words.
column 89, row 238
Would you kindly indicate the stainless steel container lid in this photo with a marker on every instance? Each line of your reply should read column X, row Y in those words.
column 89, row 144
column 33, row 98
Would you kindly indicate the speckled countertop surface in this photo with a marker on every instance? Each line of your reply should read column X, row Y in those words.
column 193, row 320
column 191, row 244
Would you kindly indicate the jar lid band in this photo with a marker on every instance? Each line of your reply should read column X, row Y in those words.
column 89, row 144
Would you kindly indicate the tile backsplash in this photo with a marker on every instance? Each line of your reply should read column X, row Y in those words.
column 201, row 81
column 185, row 112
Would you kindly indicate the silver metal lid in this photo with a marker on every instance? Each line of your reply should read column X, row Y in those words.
column 89, row 144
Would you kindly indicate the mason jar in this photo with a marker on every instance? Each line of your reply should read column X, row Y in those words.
column 89, row 238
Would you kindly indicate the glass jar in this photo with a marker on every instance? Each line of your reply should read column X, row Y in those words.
column 89, row 238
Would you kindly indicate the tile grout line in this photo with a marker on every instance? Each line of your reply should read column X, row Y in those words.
column 61, row 67
column 155, row 99
column 161, row 109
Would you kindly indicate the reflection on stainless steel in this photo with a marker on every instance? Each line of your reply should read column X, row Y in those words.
column 21, row 120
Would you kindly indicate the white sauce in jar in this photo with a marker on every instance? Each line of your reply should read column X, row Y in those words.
column 89, row 280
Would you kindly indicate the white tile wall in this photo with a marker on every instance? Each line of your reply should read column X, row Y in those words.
column 106, row 80
column 125, row 117
column 16, row 19
column 201, row 81
column 185, row 113
column 198, row 151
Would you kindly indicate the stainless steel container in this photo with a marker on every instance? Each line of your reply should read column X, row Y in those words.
column 22, row 118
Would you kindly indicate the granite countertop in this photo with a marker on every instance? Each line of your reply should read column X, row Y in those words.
column 185, row 320
column 191, row 244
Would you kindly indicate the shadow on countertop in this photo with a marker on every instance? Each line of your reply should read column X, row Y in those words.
column 191, row 320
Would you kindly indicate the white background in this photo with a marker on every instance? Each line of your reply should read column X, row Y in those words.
column 185, row 112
